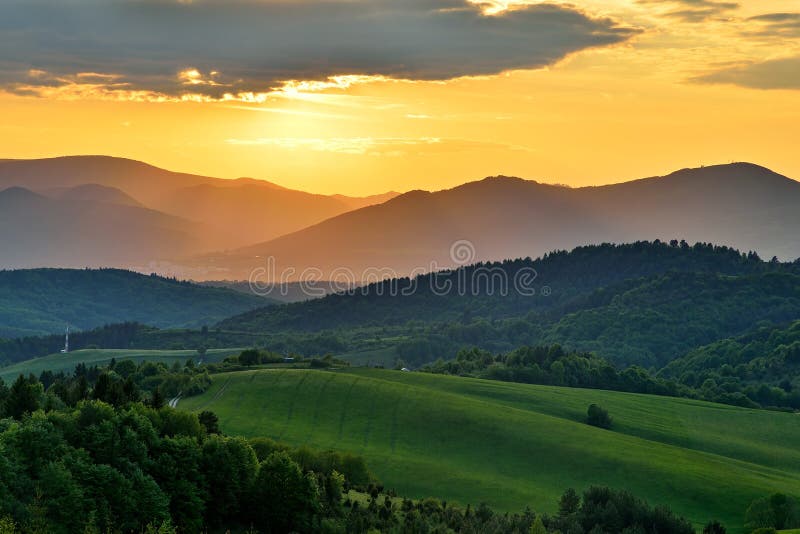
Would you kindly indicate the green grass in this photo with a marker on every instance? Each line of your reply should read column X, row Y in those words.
column 516, row 445
column 67, row 362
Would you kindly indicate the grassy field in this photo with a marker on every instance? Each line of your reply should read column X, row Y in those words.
column 67, row 362
column 515, row 445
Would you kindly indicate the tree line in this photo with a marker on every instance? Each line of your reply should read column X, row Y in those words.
column 556, row 366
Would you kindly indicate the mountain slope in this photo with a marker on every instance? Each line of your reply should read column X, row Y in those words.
column 95, row 193
column 232, row 213
column 586, row 277
column 44, row 301
column 643, row 303
column 37, row 231
column 740, row 205
column 766, row 359
column 665, row 317
column 248, row 212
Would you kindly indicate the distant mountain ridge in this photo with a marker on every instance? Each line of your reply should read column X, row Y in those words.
column 129, row 214
column 94, row 192
column 180, row 214
column 740, row 205
column 40, row 231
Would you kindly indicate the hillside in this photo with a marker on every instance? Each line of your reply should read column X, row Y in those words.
column 641, row 303
column 767, row 359
column 45, row 301
column 514, row 445
column 39, row 231
column 195, row 214
column 93, row 192
column 249, row 212
column 572, row 280
column 740, row 205
column 665, row 317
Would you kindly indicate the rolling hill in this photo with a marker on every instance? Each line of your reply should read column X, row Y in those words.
column 514, row 445
column 44, row 301
column 741, row 205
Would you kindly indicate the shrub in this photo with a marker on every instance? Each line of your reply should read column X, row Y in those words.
column 597, row 416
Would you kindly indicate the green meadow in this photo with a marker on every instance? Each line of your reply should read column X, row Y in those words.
column 67, row 362
column 517, row 445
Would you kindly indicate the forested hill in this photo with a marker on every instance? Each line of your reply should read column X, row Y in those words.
column 557, row 283
column 45, row 301
column 767, row 358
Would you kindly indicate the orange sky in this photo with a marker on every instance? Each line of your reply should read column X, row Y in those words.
column 601, row 115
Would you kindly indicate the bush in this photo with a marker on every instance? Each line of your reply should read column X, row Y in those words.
column 597, row 416
column 714, row 527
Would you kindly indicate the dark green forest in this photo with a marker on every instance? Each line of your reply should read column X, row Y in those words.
column 44, row 301
column 552, row 365
column 572, row 280
column 766, row 362
column 640, row 304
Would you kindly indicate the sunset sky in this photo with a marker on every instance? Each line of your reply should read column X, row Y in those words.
column 366, row 96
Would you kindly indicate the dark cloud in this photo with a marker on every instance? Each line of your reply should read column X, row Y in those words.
column 774, row 74
column 696, row 10
column 253, row 45
column 774, row 25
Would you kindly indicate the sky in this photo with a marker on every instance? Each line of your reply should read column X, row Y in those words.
column 366, row 96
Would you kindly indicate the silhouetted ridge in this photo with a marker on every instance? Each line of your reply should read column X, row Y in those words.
column 18, row 194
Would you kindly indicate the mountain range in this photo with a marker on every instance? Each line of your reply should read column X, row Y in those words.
column 86, row 230
column 96, row 211
column 741, row 205
column 93, row 211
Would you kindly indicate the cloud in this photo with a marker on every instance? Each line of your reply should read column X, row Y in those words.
column 773, row 74
column 786, row 25
column 209, row 48
column 695, row 10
